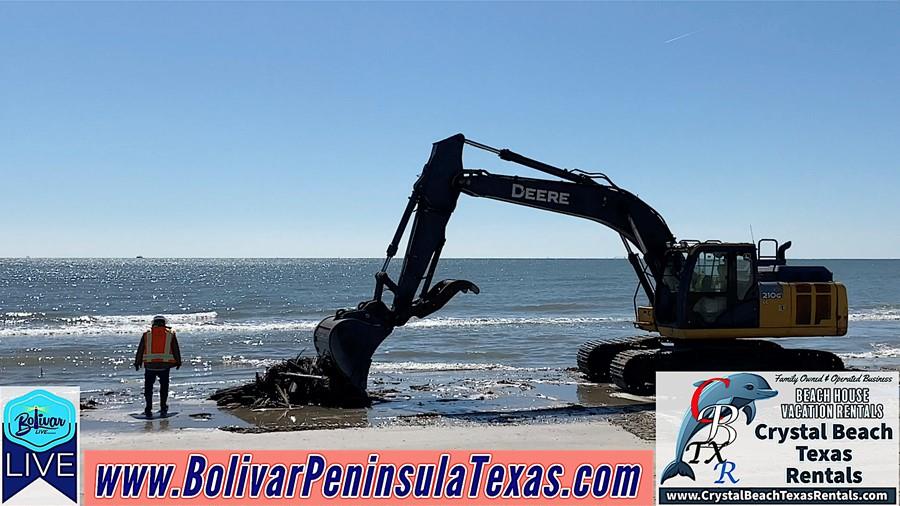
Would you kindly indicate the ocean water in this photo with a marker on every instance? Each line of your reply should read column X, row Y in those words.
column 78, row 321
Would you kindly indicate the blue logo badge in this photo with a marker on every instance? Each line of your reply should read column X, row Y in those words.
column 39, row 420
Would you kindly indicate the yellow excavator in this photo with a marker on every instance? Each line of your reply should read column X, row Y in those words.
column 707, row 299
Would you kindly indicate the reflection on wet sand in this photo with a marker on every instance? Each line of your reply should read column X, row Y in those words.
column 151, row 426
column 605, row 394
column 493, row 396
column 299, row 418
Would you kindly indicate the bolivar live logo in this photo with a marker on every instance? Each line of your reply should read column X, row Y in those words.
column 717, row 403
column 40, row 445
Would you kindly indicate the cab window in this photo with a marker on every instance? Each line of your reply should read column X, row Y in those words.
column 710, row 273
column 673, row 270
column 709, row 286
column 744, row 271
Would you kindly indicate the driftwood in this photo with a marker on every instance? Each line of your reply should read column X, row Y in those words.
column 294, row 382
column 298, row 375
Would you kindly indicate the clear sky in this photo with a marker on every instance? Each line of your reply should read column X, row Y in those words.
column 297, row 129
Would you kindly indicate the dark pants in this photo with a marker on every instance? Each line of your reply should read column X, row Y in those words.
column 150, row 376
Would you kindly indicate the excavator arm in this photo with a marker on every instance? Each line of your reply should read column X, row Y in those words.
column 350, row 337
column 635, row 221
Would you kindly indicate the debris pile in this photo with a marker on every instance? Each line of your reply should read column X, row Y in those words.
column 294, row 382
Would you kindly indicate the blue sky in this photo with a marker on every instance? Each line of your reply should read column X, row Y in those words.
column 297, row 129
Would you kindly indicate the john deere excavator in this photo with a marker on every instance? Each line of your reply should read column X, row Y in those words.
column 705, row 297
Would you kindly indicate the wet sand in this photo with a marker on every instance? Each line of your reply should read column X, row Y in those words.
column 419, row 405
column 595, row 434
column 551, row 408
column 406, row 398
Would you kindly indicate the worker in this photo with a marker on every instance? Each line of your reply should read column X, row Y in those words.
column 158, row 352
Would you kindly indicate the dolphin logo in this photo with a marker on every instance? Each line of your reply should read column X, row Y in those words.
column 740, row 390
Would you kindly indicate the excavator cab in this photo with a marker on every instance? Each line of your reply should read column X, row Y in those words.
column 707, row 285
column 720, row 287
column 726, row 290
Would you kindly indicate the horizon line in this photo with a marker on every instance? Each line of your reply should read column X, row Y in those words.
column 370, row 258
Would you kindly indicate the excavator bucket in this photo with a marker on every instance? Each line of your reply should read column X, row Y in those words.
column 348, row 340
column 349, row 343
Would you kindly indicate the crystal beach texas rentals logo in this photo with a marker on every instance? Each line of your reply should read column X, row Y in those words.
column 40, row 445
column 710, row 425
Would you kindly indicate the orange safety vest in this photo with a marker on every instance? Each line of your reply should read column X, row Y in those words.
column 158, row 346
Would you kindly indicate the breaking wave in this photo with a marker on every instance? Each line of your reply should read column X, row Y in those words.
column 38, row 325
column 877, row 314
column 482, row 322
column 20, row 315
column 93, row 325
column 879, row 350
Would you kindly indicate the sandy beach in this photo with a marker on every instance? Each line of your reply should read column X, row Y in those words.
column 598, row 417
column 599, row 435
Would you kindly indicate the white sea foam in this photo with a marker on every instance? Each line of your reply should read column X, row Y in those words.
column 482, row 322
column 94, row 328
column 879, row 350
column 87, row 325
column 437, row 366
column 209, row 322
column 21, row 314
column 28, row 324
column 204, row 316
column 877, row 314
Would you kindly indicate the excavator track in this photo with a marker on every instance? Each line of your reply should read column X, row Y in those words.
column 634, row 370
column 817, row 360
column 595, row 357
column 633, row 367
column 753, row 355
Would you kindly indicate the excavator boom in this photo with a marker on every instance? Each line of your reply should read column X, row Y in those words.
column 350, row 337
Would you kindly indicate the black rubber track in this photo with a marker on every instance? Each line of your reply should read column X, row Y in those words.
column 594, row 357
column 745, row 355
column 634, row 370
column 815, row 360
